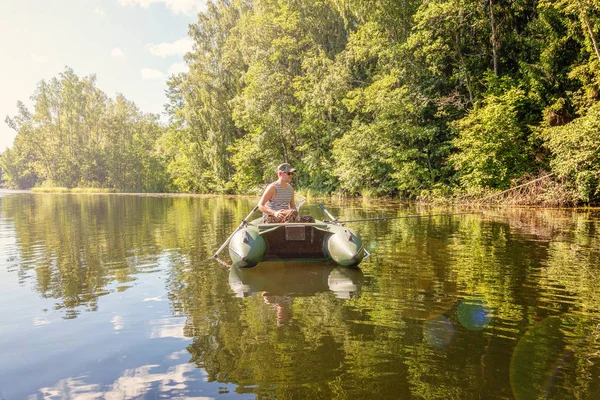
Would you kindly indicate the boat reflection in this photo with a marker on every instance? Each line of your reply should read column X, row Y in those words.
column 296, row 279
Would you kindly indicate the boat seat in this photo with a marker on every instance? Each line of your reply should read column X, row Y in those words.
column 268, row 227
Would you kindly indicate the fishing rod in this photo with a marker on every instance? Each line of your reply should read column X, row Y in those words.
column 333, row 219
column 400, row 217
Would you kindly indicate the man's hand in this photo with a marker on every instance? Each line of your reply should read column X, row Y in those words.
column 280, row 213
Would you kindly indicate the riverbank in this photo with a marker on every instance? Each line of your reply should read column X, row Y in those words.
column 531, row 191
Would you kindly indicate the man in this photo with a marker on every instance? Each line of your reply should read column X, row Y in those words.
column 277, row 202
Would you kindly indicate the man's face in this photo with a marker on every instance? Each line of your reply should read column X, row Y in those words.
column 287, row 176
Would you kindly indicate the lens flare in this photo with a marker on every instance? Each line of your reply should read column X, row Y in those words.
column 438, row 332
column 535, row 361
column 473, row 314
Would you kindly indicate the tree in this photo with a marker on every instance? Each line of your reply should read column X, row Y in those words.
column 202, row 128
column 576, row 153
column 76, row 136
column 492, row 142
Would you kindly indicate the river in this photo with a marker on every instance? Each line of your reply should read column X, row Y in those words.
column 116, row 296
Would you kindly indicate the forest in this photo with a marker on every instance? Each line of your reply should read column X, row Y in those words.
column 401, row 98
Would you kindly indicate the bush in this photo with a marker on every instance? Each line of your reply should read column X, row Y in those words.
column 492, row 143
column 576, row 153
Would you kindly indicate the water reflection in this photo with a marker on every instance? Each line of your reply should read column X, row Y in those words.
column 175, row 381
column 78, row 248
column 113, row 295
column 550, row 353
column 295, row 279
column 280, row 283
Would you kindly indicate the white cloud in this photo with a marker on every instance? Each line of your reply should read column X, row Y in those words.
column 149, row 74
column 176, row 48
column 117, row 53
column 39, row 59
column 176, row 6
column 178, row 68
column 99, row 11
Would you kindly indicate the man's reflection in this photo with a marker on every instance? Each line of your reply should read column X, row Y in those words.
column 283, row 306
column 280, row 283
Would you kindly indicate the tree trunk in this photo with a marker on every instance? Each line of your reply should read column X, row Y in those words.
column 282, row 139
column 464, row 66
column 587, row 24
column 493, row 39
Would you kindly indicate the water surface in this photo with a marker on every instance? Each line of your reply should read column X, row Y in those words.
column 114, row 296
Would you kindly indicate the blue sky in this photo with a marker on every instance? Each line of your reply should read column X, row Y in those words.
column 132, row 46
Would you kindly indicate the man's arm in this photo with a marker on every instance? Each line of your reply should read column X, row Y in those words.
column 267, row 195
column 292, row 204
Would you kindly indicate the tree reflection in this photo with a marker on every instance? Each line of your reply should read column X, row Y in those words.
column 77, row 248
column 443, row 305
column 499, row 305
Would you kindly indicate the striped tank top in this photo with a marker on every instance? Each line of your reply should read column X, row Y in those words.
column 282, row 198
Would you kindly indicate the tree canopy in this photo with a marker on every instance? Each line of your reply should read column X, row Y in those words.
column 77, row 137
column 395, row 97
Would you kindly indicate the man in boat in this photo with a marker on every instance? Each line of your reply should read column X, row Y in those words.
column 277, row 202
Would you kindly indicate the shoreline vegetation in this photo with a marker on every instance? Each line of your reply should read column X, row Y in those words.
column 539, row 192
column 440, row 102
column 72, row 190
column 542, row 191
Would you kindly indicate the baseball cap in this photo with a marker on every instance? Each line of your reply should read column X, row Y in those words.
column 285, row 167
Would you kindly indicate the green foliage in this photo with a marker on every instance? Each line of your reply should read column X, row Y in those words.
column 492, row 142
column 402, row 98
column 359, row 163
column 53, row 189
column 76, row 136
column 274, row 44
column 576, row 152
column 320, row 91
column 250, row 156
column 16, row 169
column 387, row 97
column 197, row 147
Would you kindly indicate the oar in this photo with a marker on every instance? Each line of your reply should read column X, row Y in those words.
column 221, row 261
column 242, row 224
column 335, row 220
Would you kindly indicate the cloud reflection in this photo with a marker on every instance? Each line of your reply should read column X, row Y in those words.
column 134, row 383
column 39, row 321
column 177, row 355
column 159, row 298
column 167, row 327
column 118, row 322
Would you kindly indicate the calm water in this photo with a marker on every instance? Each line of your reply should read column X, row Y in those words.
column 108, row 296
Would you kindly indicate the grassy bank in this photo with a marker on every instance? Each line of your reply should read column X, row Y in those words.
column 72, row 190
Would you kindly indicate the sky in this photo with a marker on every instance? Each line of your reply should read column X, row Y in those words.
column 132, row 46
